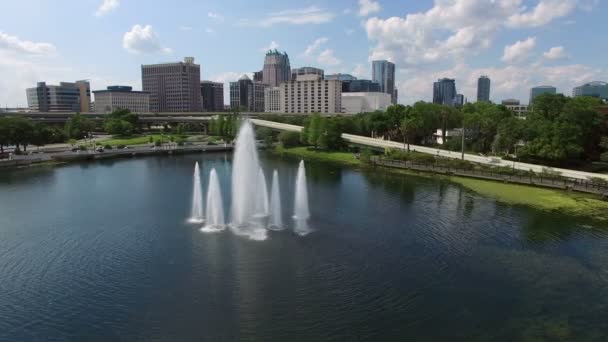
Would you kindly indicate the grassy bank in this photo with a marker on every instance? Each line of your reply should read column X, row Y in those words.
column 544, row 199
column 309, row 154
column 575, row 204
column 144, row 139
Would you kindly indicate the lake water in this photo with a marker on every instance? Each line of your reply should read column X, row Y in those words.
column 102, row 252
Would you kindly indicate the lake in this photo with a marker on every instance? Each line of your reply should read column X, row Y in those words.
column 103, row 251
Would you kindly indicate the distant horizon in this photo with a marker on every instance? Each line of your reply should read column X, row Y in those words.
column 518, row 44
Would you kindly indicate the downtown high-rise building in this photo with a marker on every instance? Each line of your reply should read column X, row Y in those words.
column 276, row 68
column 213, row 96
column 173, row 87
column 65, row 97
column 306, row 71
column 247, row 95
column 121, row 97
column 383, row 72
column 444, row 92
column 340, row 77
column 483, row 89
column 593, row 89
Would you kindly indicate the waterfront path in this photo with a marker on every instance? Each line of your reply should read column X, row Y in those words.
column 493, row 161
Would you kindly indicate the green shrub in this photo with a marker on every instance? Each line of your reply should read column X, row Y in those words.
column 108, row 147
column 82, row 148
column 366, row 155
column 120, row 146
column 157, row 142
column 289, row 139
column 180, row 143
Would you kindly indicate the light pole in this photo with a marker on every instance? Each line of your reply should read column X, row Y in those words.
column 463, row 139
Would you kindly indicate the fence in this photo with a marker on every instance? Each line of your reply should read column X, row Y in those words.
column 557, row 182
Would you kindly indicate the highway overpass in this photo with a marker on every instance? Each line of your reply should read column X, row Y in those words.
column 493, row 161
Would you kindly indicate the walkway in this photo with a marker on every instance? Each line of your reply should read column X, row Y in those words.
column 494, row 161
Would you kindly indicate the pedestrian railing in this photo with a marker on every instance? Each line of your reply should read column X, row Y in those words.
column 566, row 183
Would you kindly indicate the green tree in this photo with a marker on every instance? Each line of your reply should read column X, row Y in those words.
column 41, row 134
column 5, row 133
column 289, row 139
column 314, row 129
column 78, row 127
column 21, row 132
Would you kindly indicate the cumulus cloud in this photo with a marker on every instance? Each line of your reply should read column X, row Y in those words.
column 543, row 13
column 452, row 30
column 509, row 81
column 519, row 51
column 367, row 7
column 326, row 57
column 301, row 16
column 273, row 45
column 361, row 71
column 556, row 52
column 215, row 16
column 106, row 7
column 312, row 48
column 143, row 39
column 13, row 43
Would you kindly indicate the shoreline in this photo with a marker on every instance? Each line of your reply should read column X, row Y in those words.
column 581, row 205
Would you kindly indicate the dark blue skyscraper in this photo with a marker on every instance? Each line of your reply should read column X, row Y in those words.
column 483, row 89
column 383, row 73
column 444, row 91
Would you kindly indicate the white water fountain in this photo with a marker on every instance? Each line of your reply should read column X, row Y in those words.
column 276, row 221
column 215, row 207
column 301, row 212
column 245, row 186
column 196, row 213
column 252, row 212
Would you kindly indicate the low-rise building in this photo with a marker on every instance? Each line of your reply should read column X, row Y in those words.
column 311, row 94
column 65, row 97
column 363, row 102
column 593, row 89
column 121, row 97
column 521, row 111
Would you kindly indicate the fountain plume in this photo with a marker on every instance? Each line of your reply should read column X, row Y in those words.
column 301, row 212
column 215, row 208
column 196, row 213
column 276, row 221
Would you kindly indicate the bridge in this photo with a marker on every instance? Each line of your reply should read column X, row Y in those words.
column 492, row 161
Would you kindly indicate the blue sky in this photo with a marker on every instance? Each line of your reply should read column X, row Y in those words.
column 517, row 43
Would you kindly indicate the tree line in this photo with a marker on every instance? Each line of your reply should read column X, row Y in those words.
column 557, row 130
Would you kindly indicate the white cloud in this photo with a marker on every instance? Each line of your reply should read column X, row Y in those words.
column 556, row 52
column 326, row 57
column 143, row 39
column 367, row 7
column 13, row 43
column 106, row 7
column 510, row 81
column 215, row 16
column 209, row 30
column 185, row 28
column 455, row 29
column 361, row 71
column 273, row 45
column 543, row 13
column 301, row 16
column 312, row 48
column 349, row 31
column 519, row 51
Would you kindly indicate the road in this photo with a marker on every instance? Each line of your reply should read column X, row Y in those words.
column 493, row 161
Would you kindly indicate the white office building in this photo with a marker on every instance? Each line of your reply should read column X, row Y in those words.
column 121, row 97
column 355, row 103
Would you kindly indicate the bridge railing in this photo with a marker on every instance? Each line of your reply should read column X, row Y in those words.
column 559, row 182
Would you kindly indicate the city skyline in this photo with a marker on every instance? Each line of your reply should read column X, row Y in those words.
column 518, row 44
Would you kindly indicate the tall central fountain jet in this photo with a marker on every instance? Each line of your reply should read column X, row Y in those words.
column 246, row 186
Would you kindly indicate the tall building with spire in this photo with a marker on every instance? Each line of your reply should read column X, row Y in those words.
column 276, row 68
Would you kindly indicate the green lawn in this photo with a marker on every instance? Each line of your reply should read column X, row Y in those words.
column 544, row 199
column 136, row 139
column 310, row 154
